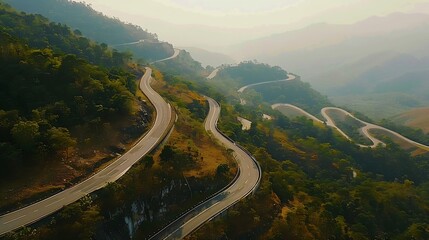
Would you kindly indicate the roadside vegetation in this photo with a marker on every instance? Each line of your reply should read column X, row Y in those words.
column 349, row 126
column 415, row 134
column 316, row 185
column 185, row 170
column 62, row 115
column 67, row 102
column 294, row 92
column 98, row 27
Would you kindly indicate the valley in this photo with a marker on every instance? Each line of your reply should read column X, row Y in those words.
column 121, row 134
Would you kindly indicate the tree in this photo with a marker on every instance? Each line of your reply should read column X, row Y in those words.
column 222, row 169
column 167, row 153
column 60, row 139
column 25, row 134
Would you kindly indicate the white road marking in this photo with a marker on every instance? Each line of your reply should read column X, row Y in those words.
column 13, row 220
column 205, row 210
column 54, row 202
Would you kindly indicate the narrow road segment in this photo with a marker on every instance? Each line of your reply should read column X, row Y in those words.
column 246, row 183
column 365, row 129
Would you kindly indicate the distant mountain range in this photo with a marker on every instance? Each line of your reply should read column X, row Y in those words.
column 96, row 26
column 360, row 64
column 206, row 58
column 321, row 47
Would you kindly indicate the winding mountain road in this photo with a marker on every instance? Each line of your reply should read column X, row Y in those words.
column 365, row 129
column 111, row 173
column 246, row 183
column 330, row 122
column 213, row 74
column 175, row 54
column 127, row 44
column 290, row 78
column 303, row 112
column 368, row 126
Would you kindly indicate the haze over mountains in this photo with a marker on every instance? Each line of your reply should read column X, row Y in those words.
column 363, row 65
column 209, row 58
column 72, row 108
column 349, row 58
column 92, row 24
column 320, row 47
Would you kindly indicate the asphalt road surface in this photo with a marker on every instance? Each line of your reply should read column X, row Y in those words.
column 290, row 78
column 131, row 43
column 368, row 126
column 246, row 182
column 365, row 129
column 277, row 105
column 175, row 54
column 111, row 173
column 213, row 74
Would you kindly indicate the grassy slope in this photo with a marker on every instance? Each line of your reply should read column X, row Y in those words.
column 416, row 118
column 189, row 133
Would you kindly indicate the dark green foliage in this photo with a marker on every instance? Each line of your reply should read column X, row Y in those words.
column 222, row 169
column 167, row 153
column 350, row 126
column 43, row 94
column 251, row 72
column 176, row 158
column 96, row 26
column 76, row 221
column 39, row 33
column 412, row 133
column 183, row 66
column 294, row 92
column 331, row 188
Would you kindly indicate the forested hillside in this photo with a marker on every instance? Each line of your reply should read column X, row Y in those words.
column 294, row 92
column 316, row 185
column 98, row 27
column 232, row 78
column 38, row 32
column 69, row 105
column 183, row 65
column 63, row 100
column 252, row 72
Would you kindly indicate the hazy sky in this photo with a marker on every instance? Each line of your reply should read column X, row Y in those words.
column 226, row 22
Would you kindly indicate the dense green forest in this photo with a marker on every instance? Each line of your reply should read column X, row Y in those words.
column 252, row 72
column 317, row 185
column 60, row 91
column 412, row 133
column 294, row 92
column 43, row 95
column 183, row 66
column 156, row 190
column 47, row 95
column 349, row 126
column 38, row 32
column 98, row 27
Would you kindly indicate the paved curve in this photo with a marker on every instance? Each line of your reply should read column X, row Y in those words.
column 175, row 54
column 303, row 112
column 111, row 173
column 368, row 126
column 213, row 74
column 127, row 44
column 290, row 78
column 365, row 129
column 330, row 122
column 246, row 183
